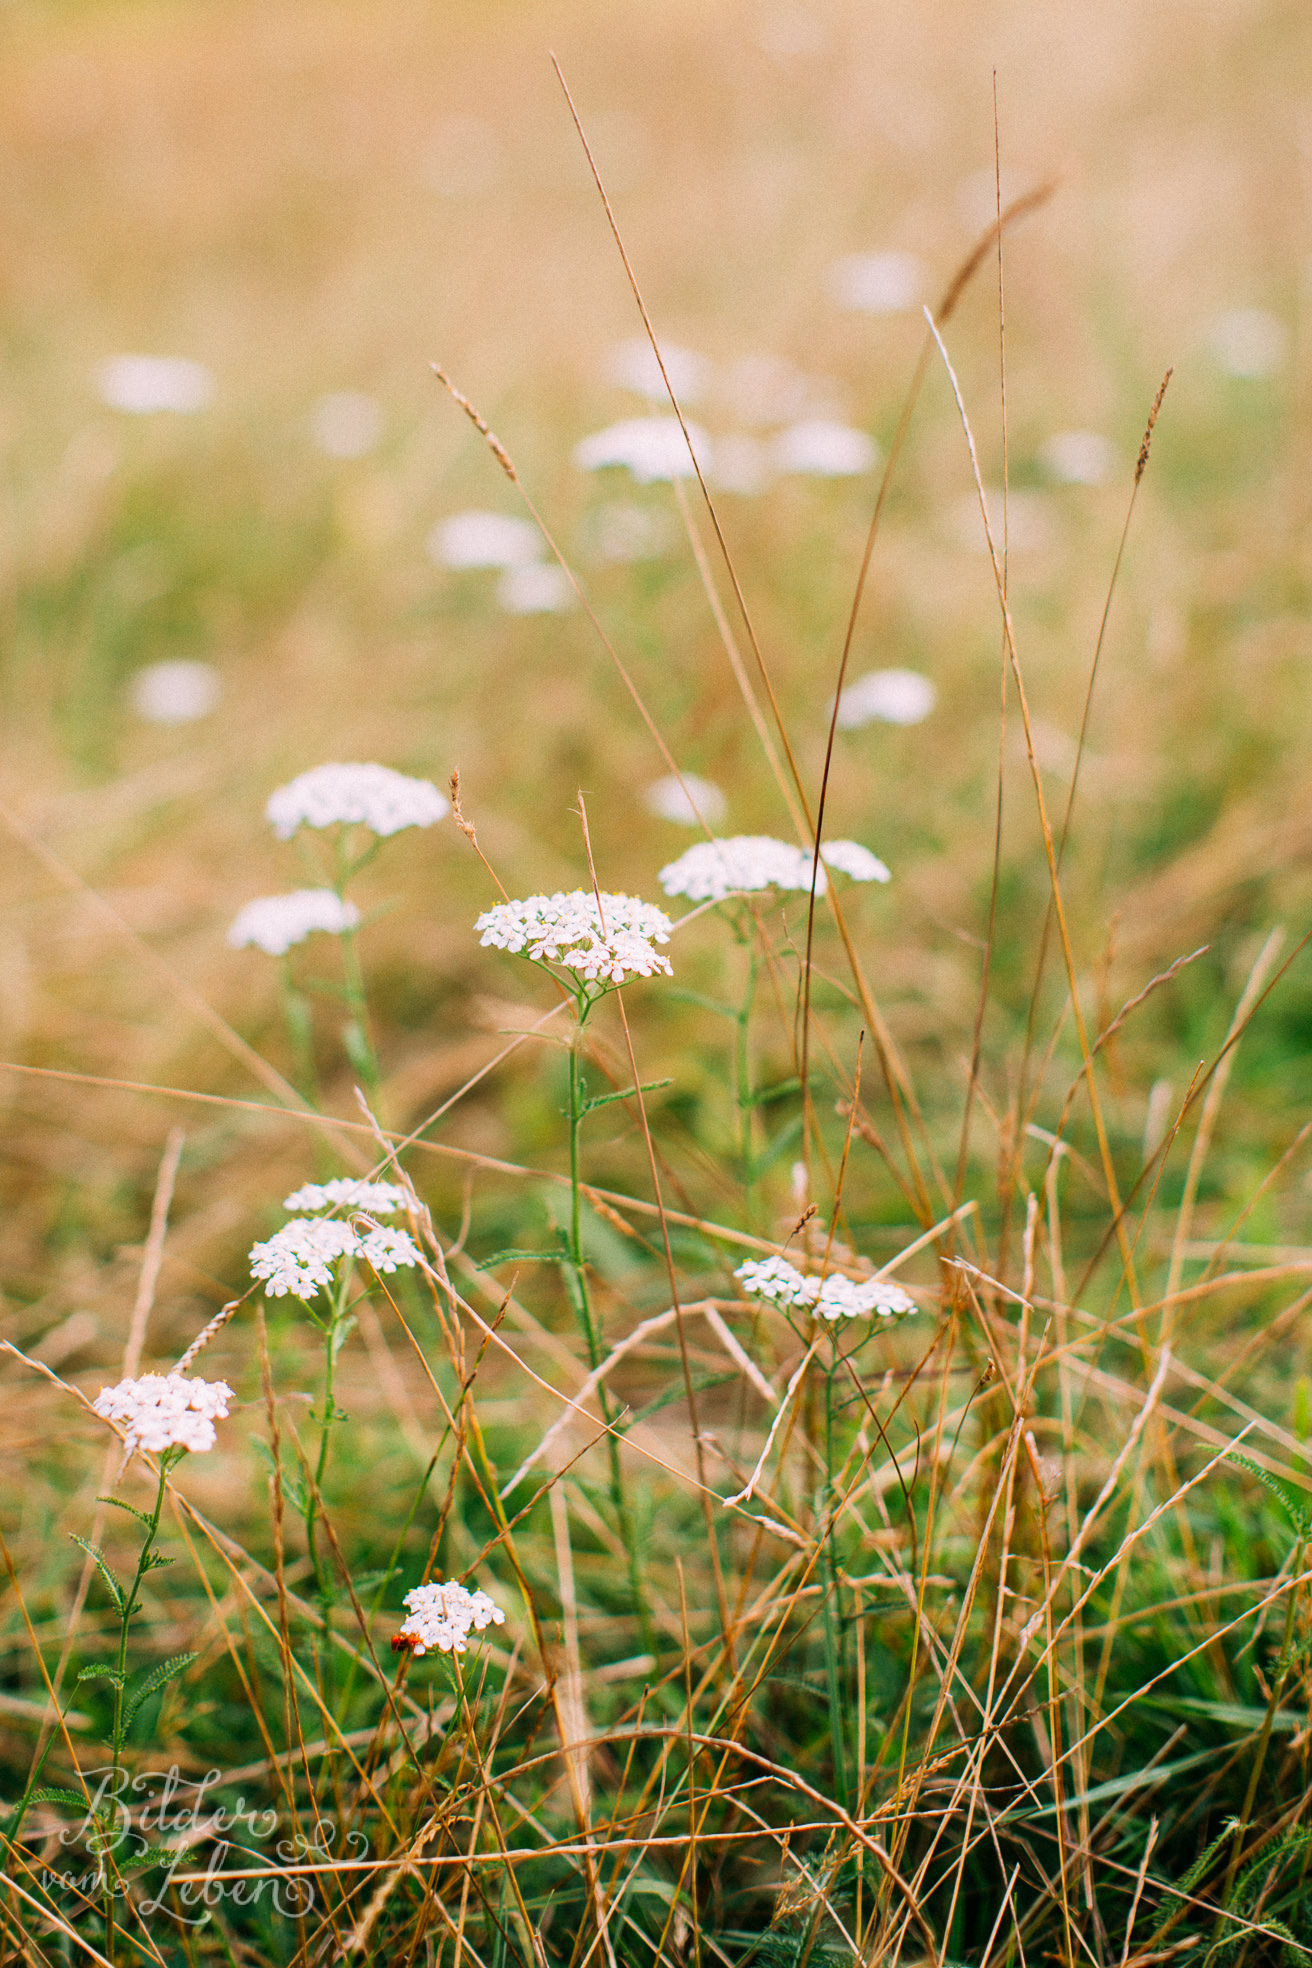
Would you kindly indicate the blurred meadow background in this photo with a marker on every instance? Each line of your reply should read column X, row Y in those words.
column 300, row 208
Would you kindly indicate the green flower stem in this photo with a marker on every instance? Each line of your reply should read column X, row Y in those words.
column 300, row 1032
column 743, row 1086
column 356, row 1037
column 832, row 1599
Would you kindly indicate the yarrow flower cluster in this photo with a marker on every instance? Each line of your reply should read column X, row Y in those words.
column 165, row 1411
column 276, row 922
column 832, row 1298
column 443, row 1616
column 348, row 1192
column 603, row 944
column 299, row 1258
column 745, row 863
column 355, row 795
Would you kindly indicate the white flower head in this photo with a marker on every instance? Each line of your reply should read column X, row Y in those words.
column 276, row 922
column 821, row 448
column 442, row 1617
column 1078, row 457
column 355, row 795
column 484, row 539
column 602, row 944
column 633, row 366
column 177, row 692
column 348, row 1192
column 652, row 448
column 540, row 588
column 831, row 1298
column 686, row 799
column 745, row 862
column 140, row 385
column 165, row 1411
column 299, row 1259
column 856, row 862
column 890, row 696
column 877, row 283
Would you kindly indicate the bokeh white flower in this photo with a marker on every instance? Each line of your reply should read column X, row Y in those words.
column 603, row 944
column 140, row 385
column 276, row 923
column 165, row 1411
column 832, row 1298
column 1078, row 457
column 620, row 531
column 298, row 1260
column 484, row 539
column 366, row 795
column 442, row 1617
column 651, row 448
column 1248, row 343
column 688, row 800
column 847, row 857
column 540, row 588
column 890, row 696
column 348, row 1192
column 820, row 448
column 877, row 283
column 346, row 424
column 633, row 366
column 176, row 692
column 744, row 863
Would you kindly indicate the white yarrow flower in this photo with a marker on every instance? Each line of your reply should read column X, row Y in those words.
column 686, row 799
column 540, row 588
column 442, row 1617
column 651, row 448
column 831, row 1298
column 484, row 539
column 890, row 696
column 603, row 945
column 165, row 1411
column 355, row 795
column 299, row 1259
column 140, row 385
column 856, row 862
column 744, row 863
column 633, row 366
column 823, row 449
column 877, row 283
column 176, row 692
column 1078, row 457
column 348, row 1192
column 276, row 922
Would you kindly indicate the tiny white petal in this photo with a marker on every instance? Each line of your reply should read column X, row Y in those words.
column 602, row 944
column 348, row 1192
column 442, row 1617
column 275, row 923
column 164, row 1411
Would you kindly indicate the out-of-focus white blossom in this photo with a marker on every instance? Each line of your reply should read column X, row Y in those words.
column 442, row 1617
column 877, row 283
column 687, row 800
column 484, row 539
column 831, row 1298
column 299, row 1258
column 540, row 588
column 277, row 922
column 634, row 366
column 893, row 696
column 165, row 1411
column 856, row 862
column 651, row 448
column 744, row 863
column 1077, row 457
column 1248, row 343
column 142, row 384
column 348, row 1192
column 603, row 945
column 346, row 424
column 177, row 692
column 621, row 532
column 364, row 795
column 822, row 449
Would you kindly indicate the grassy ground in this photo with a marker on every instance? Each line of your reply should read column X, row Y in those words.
column 1005, row 1660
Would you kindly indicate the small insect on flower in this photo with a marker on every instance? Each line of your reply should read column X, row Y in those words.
column 355, row 795
column 604, row 942
column 442, row 1617
column 275, row 923
column 298, row 1260
column 348, row 1192
column 831, row 1298
column 165, row 1411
